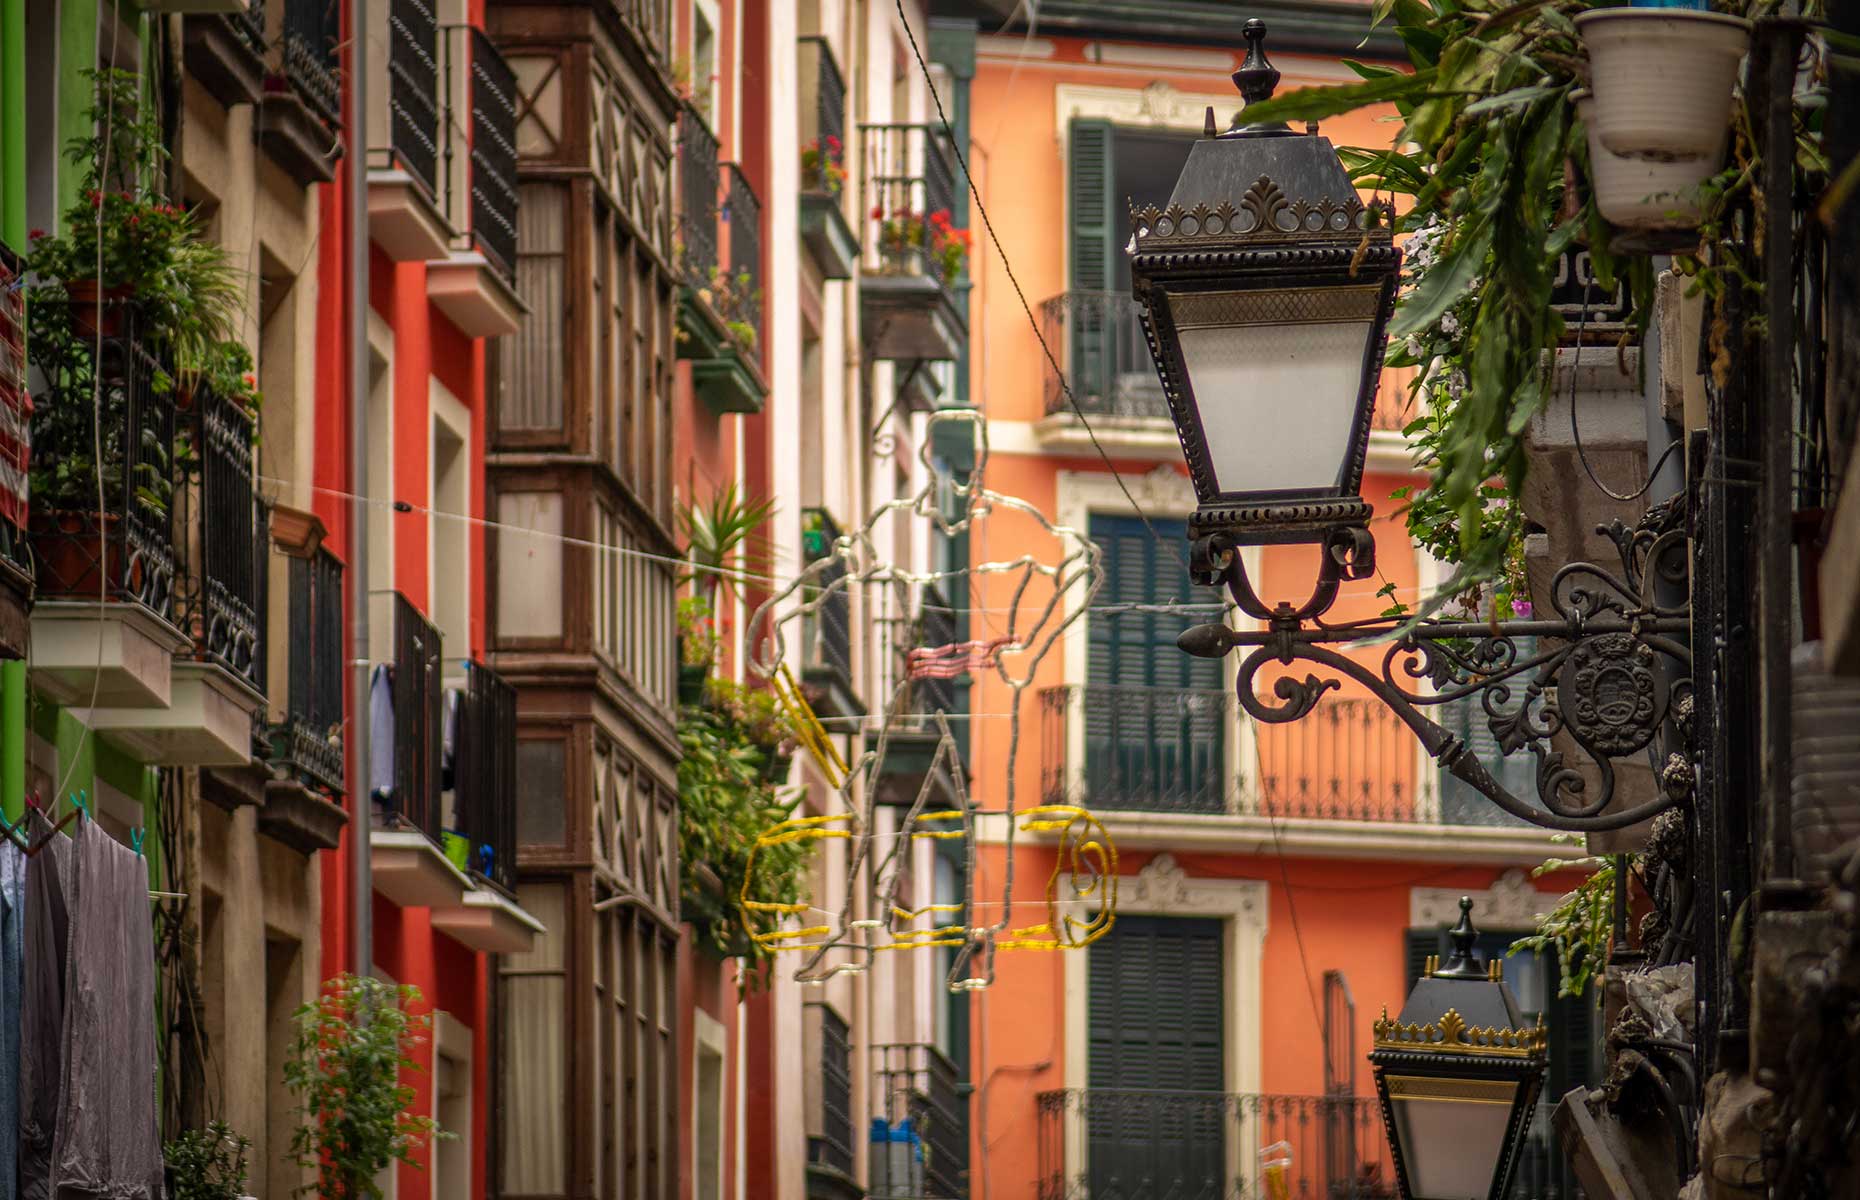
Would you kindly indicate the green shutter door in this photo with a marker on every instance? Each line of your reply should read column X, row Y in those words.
column 1091, row 241
column 1155, row 729
column 1155, row 1061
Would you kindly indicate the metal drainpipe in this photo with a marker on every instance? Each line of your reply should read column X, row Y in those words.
column 362, row 880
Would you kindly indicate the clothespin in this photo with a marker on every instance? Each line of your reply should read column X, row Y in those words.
column 80, row 799
column 32, row 799
column 135, row 839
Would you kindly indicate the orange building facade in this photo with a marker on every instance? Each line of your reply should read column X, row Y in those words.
column 1277, row 885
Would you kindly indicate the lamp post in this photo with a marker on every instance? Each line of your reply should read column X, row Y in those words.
column 1458, row 1074
column 1265, row 288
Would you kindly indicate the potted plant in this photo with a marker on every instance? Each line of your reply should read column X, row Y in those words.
column 346, row 1061
column 1662, row 80
column 905, row 236
column 823, row 167
column 207, row 1164
column 697, row 647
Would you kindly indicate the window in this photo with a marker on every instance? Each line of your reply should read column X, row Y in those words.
column 450, row 1167
column 635, row 988
column 448, row 532
column 634, row 602
column 542, row 817
column 529, row 364
column 1109, row 164
column 285, row 990
column 534, row 1059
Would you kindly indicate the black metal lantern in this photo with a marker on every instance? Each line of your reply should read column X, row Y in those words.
column 1458, row 1074
column 1265, row 287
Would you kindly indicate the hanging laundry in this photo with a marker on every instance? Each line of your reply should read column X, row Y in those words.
column 12, row 985
column 49, row 893
column 381, row 734
column 108, row 1138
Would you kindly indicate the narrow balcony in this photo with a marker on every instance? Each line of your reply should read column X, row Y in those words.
column 411, row 867
column 730, row 379
column 826, row 626
column 1136, row 1144
column 696, row 245
column 301, row 807
column 1192, row 753
column 227, row 53
column 925, row 1151
column 1098, row 339
column 101, row 528
column 827, row 1094
column 908, row 294
column 480, row 816
column 404, row 132
column 15, row 450
column 300, row 112
column 825, row 232
column 913, row 746
column 475, row 283
column 222, row 550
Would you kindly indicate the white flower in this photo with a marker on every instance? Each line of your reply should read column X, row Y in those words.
column 1449, row 324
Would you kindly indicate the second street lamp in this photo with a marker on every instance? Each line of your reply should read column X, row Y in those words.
column 1266, row 285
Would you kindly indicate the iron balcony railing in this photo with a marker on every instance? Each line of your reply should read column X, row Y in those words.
column 312, row 34
column 249, row 24
column 832, row 1145
column 1130, row 1144
column 1098, row 338
column 483, row 196
column 1185, row 750
column 413, row 90
column 823, row 118
column 925, row 1154
column 307, row 744
column 223, row 548
column 484, row 775
column 15, row 419
column 114, row 543
column 910, row 185
column 742, row 211
column 827, row 627
column 697, row 198
column 419, row 703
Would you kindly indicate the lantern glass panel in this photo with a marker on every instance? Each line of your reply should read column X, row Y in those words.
column 1451, row 1140
column 1275, row 377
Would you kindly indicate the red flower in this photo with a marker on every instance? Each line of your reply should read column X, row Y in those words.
column 878, row 212
column 250, row 381
column 36, row 234
column 833, row 143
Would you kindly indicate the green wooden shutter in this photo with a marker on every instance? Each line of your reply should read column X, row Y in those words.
column 1091, row 241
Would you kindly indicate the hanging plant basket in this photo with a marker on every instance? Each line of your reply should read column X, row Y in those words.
column 1641, row 193
column 1662, row 80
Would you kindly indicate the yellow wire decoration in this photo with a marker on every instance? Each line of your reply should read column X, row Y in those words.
column 808, row 730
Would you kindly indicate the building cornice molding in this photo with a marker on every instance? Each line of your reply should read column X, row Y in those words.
column 1510, row 903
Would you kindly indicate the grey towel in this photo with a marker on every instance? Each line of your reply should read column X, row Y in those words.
column 49, row 900
column 108, row 1141
column 12, row 954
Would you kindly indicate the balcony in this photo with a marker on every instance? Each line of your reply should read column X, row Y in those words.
column 480, row 817
column 306, row 745
column 404, row 136
column 226, row 53
column 910, row 306
column 301, row 109
column 410, row 866
column 475, row 283
column 824, row 229
column 1190, row 755
column 730, row 377
column 914, row 742
column 101, row 528
column 1129, row 1144
column 15, row 459
column 1098, row 340
column 826, row 623
column 827, row 1095
column 925, row 1151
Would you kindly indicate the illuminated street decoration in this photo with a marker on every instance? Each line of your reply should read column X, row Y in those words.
column 1081, row 891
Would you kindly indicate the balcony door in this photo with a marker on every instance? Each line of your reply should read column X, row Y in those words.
column 1155, row 718
column 1155, row 1112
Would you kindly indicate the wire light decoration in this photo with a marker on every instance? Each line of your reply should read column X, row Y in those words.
column 1080, row 895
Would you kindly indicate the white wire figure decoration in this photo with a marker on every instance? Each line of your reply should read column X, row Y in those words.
column 1056, row 594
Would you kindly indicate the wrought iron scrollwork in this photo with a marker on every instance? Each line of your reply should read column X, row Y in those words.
column 1610, row 672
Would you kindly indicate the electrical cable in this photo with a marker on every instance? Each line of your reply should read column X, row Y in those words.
column 1052, row 361
column 1575, row 430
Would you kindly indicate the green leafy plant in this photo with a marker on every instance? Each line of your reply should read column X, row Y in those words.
column 698, row 640
column 1581, row 925
column 905, row 234
column 207, row 1164
column 347, row 1064
column 724, row 806
column 823, row 165
column 718, row 531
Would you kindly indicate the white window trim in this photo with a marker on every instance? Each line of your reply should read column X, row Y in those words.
column 448, row 411
column 1510, row 903
column 454, row 1040
column 1163, row 889
column 708, row 1033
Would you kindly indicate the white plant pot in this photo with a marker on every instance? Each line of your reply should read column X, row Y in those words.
column 1641, row 193
column 1662, row 79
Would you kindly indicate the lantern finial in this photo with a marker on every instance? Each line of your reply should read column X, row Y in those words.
column 1465, row 961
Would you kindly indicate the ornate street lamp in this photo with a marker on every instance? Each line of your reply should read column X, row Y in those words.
column 1265, row 288
column 1458, row 1074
